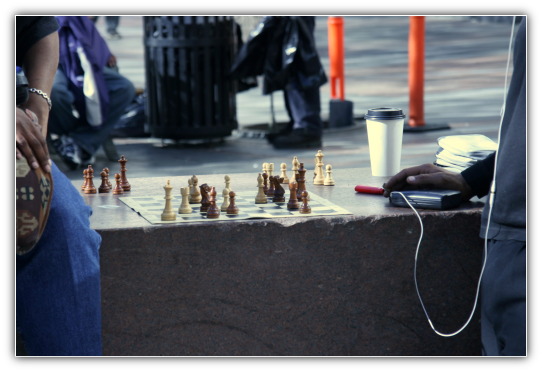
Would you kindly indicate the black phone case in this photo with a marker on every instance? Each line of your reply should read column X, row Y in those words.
column 427, row 199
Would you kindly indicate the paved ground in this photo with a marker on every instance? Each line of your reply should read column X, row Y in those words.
column 465, row 66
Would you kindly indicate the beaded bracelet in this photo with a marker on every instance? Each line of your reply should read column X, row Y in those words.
column 43, row 94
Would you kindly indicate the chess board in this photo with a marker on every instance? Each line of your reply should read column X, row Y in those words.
column 151, row 208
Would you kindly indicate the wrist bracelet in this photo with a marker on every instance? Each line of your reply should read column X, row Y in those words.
column 43, row 94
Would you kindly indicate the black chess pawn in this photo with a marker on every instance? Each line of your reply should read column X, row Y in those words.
column 232, row 208
column 104, row 187
column 305, row 208
column 213, row 211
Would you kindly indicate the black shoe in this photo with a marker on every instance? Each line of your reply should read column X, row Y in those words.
column 297, row 139
column 67, row 149
column 283, row 132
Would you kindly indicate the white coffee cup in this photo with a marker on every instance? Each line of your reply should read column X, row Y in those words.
column 385, row 131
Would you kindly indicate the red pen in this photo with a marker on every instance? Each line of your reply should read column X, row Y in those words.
column 369, row 189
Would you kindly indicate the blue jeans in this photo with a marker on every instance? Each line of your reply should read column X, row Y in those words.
column 503, row 297
column 63, row 122
column 58, row 283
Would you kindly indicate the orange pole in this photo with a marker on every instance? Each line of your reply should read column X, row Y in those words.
column 416, row 60
column 336, row 55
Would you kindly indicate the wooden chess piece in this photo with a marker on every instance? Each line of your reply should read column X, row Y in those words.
column 278, row 196
column 168, row 214
column 204, row 192
column 123, row 180
column 319, row 169
column 85, row 179
column 300, row 181
column 271, row 188
column 293, row 203
column 232, row 208
column 329, row 181
column 305, row 208
column 195, row 195
column 108, row 180
column 185, row 207
column 261, row 198
column 283, row 170
column 226, row 200
column 90, row 188
column 213, row 211
column 265, row 184
column 270, row 169
column 295, row 167
column 117, row 190
column 104, row 187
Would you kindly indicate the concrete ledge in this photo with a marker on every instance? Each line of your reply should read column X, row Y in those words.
column 336, row 286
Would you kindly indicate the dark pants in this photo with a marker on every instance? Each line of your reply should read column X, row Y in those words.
column 503, row 295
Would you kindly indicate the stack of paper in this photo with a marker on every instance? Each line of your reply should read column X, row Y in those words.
column 456, row 153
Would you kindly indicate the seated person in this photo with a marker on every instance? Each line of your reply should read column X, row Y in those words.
column 89, row 94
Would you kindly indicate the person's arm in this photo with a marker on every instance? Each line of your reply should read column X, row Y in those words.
column 40, row 64
column 428, row 176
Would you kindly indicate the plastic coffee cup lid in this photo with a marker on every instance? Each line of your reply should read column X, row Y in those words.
column 384, row 113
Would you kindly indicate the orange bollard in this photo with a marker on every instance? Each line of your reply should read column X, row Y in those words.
column 416, row 60
column 336, row 55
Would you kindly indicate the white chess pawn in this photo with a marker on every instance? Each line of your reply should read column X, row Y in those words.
column 283, row 174
column 185, row 207
column 329, row 181
column 226, row 203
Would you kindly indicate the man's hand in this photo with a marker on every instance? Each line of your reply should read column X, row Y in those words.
column 30, row 142
column 428, row 176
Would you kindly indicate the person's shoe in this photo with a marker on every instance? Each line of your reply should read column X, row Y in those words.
column 114, row 35
column 297, row 139
column 270, row 136
column 67, row 149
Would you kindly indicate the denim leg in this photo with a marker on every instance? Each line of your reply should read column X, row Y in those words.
column 58, row 300
column 112, row 22
column 121, row 94
column 304, row 109
column 61, row 118
column 503, row 299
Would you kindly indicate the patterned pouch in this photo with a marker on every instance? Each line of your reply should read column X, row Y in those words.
column 34, row 189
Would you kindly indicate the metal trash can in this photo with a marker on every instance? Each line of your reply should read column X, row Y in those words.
column 187, row 62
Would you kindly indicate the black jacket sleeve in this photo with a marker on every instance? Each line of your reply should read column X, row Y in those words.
column 480, row 175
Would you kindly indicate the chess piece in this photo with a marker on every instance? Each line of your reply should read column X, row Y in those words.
column 293, row 203
column 264, row 168
column 104, row 187
column 213, row 211
column 108, row 180
column 300, row 181
column 285, row 179
column 270, row 169
column 85, row 179
column 232, row 208
column 117, row 190
column 90, row 188
column 226, row 202
column 185, row 207
column 195, row 195
column 329, row 181
column 123, row 181
column 204, row 192
column 227, row 182
column 295, row 167
column 319, row 169
column 305, row 208
column 271, row 188
column 278, row 196
column 261, row 198
column 265, row 184
column 168, row 214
